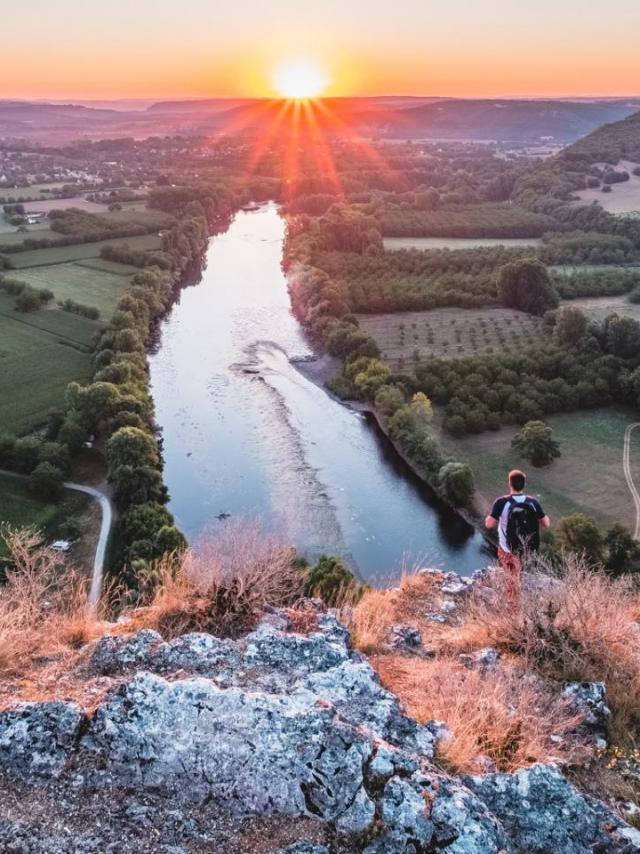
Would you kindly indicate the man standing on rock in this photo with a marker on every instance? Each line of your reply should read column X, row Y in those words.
column 518, row 518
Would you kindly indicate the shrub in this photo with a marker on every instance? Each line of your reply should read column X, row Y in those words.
column 28, row 300
column 535, row 442
column 331, row 581
column 579, row 534
column 46, row 481
column 223, row 588
column 456, row 484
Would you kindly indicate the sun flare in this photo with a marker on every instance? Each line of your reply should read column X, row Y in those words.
column 300, row 80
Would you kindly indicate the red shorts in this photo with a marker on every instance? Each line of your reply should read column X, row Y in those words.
column 512, row 568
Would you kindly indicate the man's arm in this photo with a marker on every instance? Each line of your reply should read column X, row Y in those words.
column 545, row 521
column 493, row 518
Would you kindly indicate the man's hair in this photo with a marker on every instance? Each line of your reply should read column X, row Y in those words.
column 517, row 480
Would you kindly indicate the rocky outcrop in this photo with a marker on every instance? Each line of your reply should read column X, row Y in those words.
column 36, row 739
column 542, row 812
column 589, row 700
column 278, row 725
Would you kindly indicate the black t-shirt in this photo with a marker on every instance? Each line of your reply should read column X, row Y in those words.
column 500, row 512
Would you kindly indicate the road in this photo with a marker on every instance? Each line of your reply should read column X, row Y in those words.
column 626, row 465
column 105, row 527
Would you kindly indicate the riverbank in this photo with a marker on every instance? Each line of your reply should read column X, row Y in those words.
column 320, row 370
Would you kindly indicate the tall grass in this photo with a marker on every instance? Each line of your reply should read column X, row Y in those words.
column 43, row 604
column 222, row 586
column 579, row 626
column 501, row 715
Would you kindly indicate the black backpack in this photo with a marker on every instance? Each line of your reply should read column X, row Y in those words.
column 523, row 527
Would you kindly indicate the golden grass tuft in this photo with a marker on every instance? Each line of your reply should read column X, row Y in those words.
column 222, row 586
column 579, row 626
column 43, row 604
column 502, row 715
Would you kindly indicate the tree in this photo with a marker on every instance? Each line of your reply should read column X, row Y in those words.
column 389, row 399
column 622, row 336
column 535, row 443
column 28, row 300
column 456, row 484
column 46, row 481
column 55, row 453
column 623, row 552
column 26, row 453
column 570, row 326
column 93, row 403
column 579, row 533
column 71, row 434
column 525, row 284
column 130, row 446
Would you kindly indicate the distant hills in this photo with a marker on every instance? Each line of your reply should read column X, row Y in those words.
column 611, row 142
column 399, row 117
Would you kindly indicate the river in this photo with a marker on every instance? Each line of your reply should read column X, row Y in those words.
column 246, row 435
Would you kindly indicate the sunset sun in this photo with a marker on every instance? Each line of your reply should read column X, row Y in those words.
column 300, row 80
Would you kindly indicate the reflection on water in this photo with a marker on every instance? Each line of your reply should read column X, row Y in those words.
column 246, row 434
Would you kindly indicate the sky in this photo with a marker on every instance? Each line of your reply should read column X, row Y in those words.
column 208, row 48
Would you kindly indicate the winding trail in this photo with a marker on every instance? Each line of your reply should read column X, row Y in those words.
column 626, row 465
column 103, row 538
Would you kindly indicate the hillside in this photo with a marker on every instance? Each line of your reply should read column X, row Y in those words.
column 610, row 143
column 428, row 118
column 513, row 120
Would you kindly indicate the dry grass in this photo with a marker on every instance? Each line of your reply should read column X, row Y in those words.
column 370, row 620
column 222, row 587
column 43, row 604
column 503, row 715
column 578, row 627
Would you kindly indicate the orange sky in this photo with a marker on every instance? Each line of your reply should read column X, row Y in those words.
column 140, row 48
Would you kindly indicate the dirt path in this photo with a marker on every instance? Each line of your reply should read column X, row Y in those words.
column 626, row 465
column 103, row 538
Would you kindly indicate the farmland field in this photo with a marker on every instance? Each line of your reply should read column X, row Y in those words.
column 597, row 308
column 406, row 337
column 473, row 221
column 40, row 354
column 141, row 216
column 395, row 243
column 47, row 205
column 589, row 469
column 11, row 237
column 76, row 252
column 624, row 198
column 86, row 285
column 571, row 269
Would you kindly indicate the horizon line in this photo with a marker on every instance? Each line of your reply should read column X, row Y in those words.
column 65, row 99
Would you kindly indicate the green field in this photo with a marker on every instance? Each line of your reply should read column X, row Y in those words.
column 76, row 252
column 40, row 353
column 87, row 285
column 10, row 236
column 20, row 509
column 597, row 308
column 394, row 243
column 407, row 337
column 587, row 478
column 140, row 215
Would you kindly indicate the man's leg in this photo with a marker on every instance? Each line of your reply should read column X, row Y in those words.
column 512, row 569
